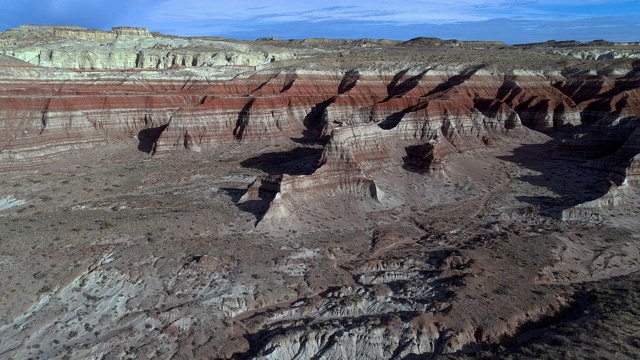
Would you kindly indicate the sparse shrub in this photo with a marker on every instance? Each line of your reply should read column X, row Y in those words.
column 105, row 224
column 503, row 290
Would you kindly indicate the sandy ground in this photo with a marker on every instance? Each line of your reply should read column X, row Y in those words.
column 113, row 246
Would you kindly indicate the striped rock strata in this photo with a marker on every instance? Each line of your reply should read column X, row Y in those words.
column 59, row 111
column 126, row 48
column 370, row 118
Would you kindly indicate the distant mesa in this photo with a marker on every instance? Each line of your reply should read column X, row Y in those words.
column 429, row 42
column 128, row 31
column 81, row 33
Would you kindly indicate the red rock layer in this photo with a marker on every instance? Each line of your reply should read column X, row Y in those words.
column 42, row 117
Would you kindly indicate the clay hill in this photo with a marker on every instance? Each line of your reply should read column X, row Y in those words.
column 167, row 197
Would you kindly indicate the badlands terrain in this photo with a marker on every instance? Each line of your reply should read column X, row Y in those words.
column 166, row 197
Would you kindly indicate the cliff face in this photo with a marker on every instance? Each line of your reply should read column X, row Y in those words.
column 369, row 119
column 127, row 48
column 87, row 109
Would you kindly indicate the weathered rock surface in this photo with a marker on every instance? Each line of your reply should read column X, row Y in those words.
column 126, row 48
column 185, row 110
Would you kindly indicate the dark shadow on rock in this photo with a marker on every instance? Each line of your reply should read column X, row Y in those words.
column 592, row 307
column 601, row 108
column 456, row 80
column 289, row 80
column 349, row 81
column 418, row 159
column 528, row 110
column 310, row 141
column 391, row 87
column 571, row 183
column 583, row 91
column 491, row 107
column 234, row 193
column 397, row 89
column 148, row 138
column 596, row 144
column 260, row 194
column 299, row 161
column 315, row 121
column 508, row 91
column 529, row 115
column 393, row 120
column 257, row 207
column 273, row 76
column 635, row 71
column 243, row 120
column 488, row 107
column 600, row 103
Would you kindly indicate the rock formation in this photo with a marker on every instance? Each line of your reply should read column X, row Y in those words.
column 127, row 48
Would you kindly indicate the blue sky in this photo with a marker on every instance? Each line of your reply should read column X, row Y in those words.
column 512, row 21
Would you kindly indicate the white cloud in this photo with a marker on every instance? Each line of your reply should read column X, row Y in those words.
column 198, row 17
column 344, row 18
column 398, row 11
column 194, row 13
column 402, row 12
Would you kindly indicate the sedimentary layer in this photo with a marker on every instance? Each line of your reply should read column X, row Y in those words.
column 184, row 109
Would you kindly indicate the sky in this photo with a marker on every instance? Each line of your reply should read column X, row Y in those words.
column 511, row 21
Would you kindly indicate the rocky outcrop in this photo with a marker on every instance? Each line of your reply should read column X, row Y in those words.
column 446, row 119
column 367, row 320
column 77, row 33
column 9, row 202
column 623, row 166
column 411, row 119
column 414, row 117
column 127, row 48
column 614, row 195
column 428, row 128
column 51, row 116
column 609, row 140
column 130, row 32
column 355, row 153
column 599, row 54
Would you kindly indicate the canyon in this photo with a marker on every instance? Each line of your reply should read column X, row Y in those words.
column 167, row 197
